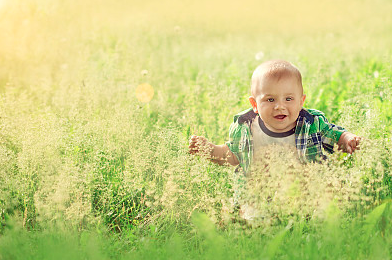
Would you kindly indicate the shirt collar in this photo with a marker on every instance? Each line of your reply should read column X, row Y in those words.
column 247, row 117
column 306, row 115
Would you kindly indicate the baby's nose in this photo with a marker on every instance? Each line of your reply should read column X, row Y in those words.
column 279, row 105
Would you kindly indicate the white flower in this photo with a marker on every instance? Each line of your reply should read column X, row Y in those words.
column 259, row 55
column 376, row 74
column 144, row 72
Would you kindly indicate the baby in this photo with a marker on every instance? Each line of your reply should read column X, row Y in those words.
column 277, row 117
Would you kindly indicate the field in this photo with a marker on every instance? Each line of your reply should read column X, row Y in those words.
column 98, row 100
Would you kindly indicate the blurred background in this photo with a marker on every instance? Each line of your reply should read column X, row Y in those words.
column 98, row 100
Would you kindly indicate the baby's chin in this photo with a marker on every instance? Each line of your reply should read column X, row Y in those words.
column 281, row 127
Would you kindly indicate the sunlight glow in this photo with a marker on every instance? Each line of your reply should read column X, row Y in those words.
column 144, row 92
column 2, row 3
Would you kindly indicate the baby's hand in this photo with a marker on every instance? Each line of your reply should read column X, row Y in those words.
column 349, row 142
column 199, row 145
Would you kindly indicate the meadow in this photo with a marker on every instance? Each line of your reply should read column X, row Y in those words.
column 98, row 100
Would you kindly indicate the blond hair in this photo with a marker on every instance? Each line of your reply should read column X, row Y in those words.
column 274, row 69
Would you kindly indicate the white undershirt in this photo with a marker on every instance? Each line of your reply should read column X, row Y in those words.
column 260, row 138
column 281, row 143
column 264, row 139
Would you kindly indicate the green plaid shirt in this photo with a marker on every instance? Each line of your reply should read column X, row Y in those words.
column 313, row 135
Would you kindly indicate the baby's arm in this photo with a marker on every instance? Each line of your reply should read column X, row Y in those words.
column 219, row 154
column 349, row 142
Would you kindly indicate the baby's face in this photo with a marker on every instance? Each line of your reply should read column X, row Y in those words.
column 278, row 103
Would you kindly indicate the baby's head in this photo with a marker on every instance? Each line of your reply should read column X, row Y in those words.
column 277, row 94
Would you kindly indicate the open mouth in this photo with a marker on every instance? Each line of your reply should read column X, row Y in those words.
column 280, row 117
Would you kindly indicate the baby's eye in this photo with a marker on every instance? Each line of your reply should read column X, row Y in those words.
column 289, row 99
column 270, row 100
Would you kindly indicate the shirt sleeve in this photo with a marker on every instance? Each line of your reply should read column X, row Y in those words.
column 234, row 141
column 330, row 133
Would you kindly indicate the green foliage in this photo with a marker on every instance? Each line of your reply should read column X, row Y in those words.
column 87, row 171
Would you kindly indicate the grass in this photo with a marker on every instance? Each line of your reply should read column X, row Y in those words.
column 89, row 172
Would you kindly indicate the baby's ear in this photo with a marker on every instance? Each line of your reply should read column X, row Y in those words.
column 253, row 103
column 303, row 100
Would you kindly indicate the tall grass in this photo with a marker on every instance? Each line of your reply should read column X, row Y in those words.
column 88, row 171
